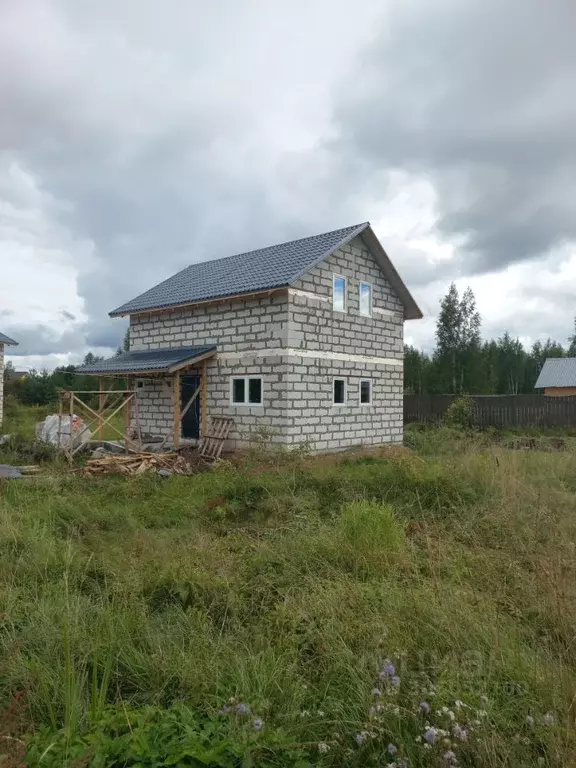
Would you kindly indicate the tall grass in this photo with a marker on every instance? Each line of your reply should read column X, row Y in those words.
column 285, row 588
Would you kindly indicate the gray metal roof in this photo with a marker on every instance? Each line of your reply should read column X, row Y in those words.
column 557, row 372
column 146, row 361
column 267, row 268
column 7, row 340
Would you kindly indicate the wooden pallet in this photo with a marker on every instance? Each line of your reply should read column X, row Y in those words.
column 213, row 441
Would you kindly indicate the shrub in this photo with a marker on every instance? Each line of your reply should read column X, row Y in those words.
column 460, row 413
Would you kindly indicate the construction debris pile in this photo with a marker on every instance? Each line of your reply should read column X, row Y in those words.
column 163, row 464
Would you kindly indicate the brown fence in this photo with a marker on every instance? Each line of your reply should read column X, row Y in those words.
column 497, row 410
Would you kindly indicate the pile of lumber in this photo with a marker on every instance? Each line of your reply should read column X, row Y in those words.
column 138, row 463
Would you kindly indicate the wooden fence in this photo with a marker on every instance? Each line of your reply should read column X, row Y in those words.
column 497, row 410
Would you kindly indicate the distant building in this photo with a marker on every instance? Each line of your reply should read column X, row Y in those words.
column 558, row 377
column 5, row 341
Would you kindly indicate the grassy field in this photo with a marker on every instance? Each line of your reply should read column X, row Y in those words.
column 289, row 611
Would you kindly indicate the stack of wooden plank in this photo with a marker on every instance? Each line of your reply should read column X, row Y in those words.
column 138, row 464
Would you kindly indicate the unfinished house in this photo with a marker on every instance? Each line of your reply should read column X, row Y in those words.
column 5, row 341
column 302, row 342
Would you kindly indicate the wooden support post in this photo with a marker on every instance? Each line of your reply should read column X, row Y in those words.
column 204, row 400
column 176, row 428
column 127, row 414
column 101, row 402
column 60, row 414
column 71, row 435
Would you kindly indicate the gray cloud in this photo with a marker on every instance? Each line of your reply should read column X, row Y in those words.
column 164, row 135
column 476, row 96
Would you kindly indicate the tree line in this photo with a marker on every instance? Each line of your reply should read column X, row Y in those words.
column 462, row 363
column 41, row 387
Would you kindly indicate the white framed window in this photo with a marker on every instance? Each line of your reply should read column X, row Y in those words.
column 365, row 392
column 339, row 391
column 246, row 390
column 365, row 299
column 339, row 293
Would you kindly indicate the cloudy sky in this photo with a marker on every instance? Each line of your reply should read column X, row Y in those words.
column 137, row 137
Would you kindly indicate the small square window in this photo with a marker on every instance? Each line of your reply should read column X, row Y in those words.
column 365, row 299
column 339, row 294
column 255, row 391
column 339, row 392
column 246, row 390
column 365, row 392
column 239, row 391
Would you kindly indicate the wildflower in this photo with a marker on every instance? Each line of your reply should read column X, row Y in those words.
column 361, row 737
column 444, row 710
column 482, row 713
column 402, row 764
column 395, row 680
column 323, row 748
column 257, row 724
column 376, row 693
column 388, row 670
column 424, row 707
column 430, row 735
column 451, row 715
column 418, row 739
column 484, row 701
column 304, row 713
column 529, row 721
column 391, row 749
column 243, row 709
column 450, row 757
column 460, row 733
column 226, row 709
column 458, row 704
column 548, row 718
column 320, row 713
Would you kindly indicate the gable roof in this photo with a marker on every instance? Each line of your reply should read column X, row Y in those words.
column 7, row 340
column 557, row 372
column 150, row 360
column 277, row 266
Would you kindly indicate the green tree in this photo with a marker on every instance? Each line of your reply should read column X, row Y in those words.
column 571, row 352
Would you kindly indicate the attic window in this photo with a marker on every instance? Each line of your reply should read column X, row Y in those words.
column 365, row 299
column 339, row 293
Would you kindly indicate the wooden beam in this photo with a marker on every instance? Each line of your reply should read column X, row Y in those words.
column 204, row 400
column 60, row 414
column 189, row 403
column 125, row 403
column 101, row 403
column 127, row 415
column 70, row 441
column 176, row 424
column 204, row 302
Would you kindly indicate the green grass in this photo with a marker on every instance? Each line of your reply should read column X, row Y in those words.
column 131, row 610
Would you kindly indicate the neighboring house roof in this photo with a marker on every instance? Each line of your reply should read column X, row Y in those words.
column 557, row 372
column 277, row 266
column 7, row 340
column 149, row 361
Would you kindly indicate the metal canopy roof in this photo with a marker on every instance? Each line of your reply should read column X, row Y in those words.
column 557, row 372
column 149, row 361
column 277, row 266
column 7, row 340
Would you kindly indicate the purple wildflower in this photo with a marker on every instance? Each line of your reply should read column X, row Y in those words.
column 257, row 724
column 243, row 709
column 395, row 680
column 360, row 738
column 226, row 709
column 548, row 718
column 450, row 757
column 430, row 735
column 460, row 733
column 392, row 749
column 388, row 670
column 424, row 707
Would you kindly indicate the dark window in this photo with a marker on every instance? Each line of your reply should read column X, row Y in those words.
column 238, row 391
column 255, row 391
column 339, row 391
column 366, row 391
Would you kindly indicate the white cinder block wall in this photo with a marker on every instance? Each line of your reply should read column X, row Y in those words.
column 298, row 344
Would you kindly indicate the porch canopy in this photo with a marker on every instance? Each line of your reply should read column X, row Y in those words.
column 169, row 361
column 150, row 361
